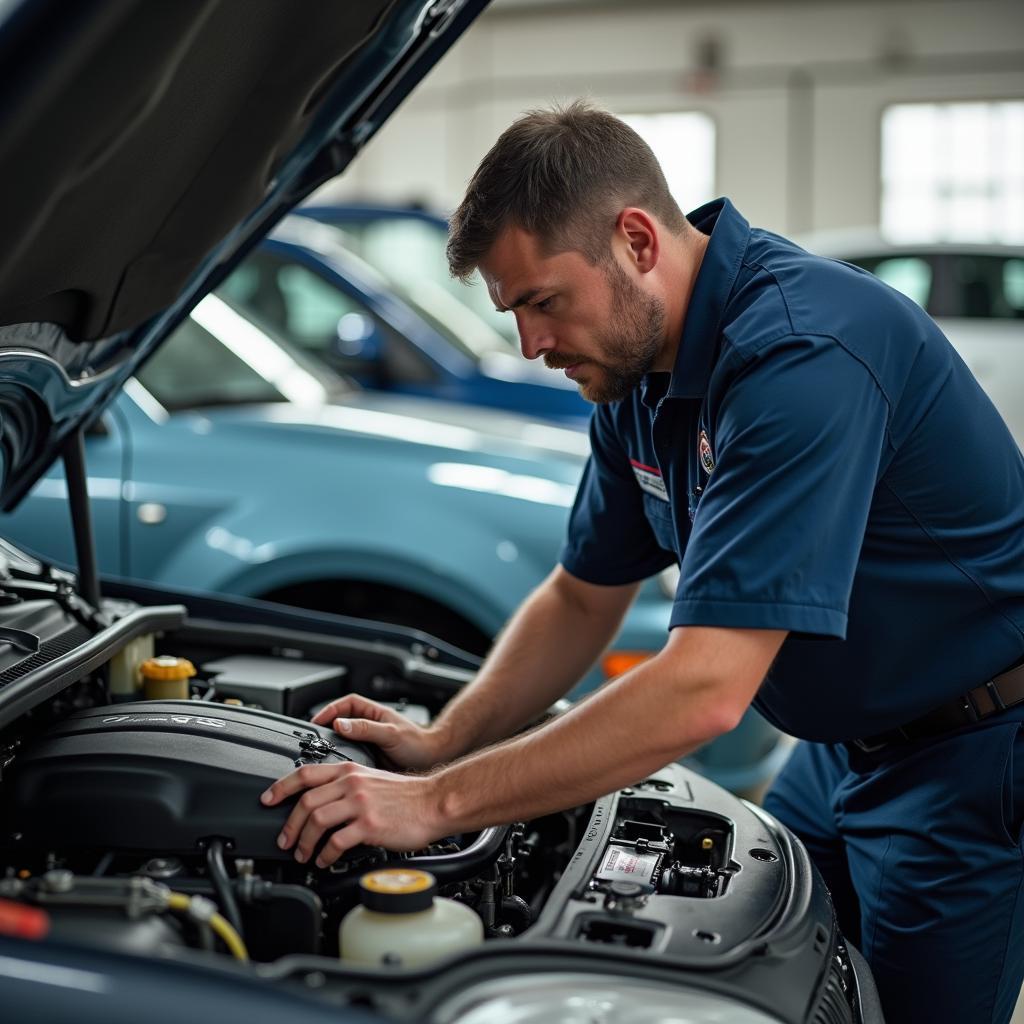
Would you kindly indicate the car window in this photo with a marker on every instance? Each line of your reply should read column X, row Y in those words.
column 1013, row 285
column 289, row 298
column 985, row 287
column 407, row 249
column 193, row 369
column 305, row 309
column 911, row 275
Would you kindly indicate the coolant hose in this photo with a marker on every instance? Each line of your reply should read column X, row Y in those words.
column 467, row 863
column 222, row 884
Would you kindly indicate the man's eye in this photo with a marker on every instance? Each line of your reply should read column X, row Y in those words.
column 545, row 304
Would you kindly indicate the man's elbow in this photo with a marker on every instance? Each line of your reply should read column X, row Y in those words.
column 722, row 718
column 715, row 709
column 714, row 674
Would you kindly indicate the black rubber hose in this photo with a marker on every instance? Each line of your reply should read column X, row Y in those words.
column 222, row 884
column 445, row 867
column 467, row 863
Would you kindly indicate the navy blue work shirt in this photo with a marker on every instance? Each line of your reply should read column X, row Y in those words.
column 819, row 460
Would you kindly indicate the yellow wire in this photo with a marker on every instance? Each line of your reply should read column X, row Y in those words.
column 220, row 925
column 231, row 938
column 178, row 901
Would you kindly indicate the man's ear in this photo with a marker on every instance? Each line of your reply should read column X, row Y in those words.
column 639, row 232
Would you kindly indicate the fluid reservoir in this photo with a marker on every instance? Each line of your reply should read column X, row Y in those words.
column 166, row 678
column 125, row 667
column 403, row 922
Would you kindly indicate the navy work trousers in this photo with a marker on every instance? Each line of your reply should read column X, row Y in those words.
column 920, row 846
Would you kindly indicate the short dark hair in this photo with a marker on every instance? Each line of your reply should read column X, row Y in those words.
column 564, row 175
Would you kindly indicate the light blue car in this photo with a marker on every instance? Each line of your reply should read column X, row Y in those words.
column 231, row 464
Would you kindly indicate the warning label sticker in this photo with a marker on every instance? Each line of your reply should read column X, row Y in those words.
column 621, row 865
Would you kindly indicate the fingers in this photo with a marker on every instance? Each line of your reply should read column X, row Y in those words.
column 325, row 817
column 340, row 842
column 352, row 705
column 309, row 804
column 302, row 778
column 361, row 730
column 321, row 807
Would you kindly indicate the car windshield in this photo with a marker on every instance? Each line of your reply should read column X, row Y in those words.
column 973, row 285
column 409, row 252
column 218, row 357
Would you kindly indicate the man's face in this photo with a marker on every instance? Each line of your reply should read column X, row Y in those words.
column 591, row 321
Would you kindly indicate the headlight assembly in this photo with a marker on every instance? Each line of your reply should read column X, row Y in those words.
column 578, row 998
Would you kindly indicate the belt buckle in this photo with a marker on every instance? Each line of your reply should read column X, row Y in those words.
column 994, row 694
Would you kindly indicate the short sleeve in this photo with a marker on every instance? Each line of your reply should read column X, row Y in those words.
column 609, row 539
column 799, row 437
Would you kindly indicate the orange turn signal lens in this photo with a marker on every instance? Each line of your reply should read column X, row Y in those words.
column 616, row 662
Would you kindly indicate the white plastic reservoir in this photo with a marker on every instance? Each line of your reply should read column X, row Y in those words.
column 404, row 923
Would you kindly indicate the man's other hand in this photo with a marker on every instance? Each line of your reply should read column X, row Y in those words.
column 377, row 808
column 362, row 720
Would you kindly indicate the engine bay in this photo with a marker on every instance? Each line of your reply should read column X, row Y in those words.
column 135, row 824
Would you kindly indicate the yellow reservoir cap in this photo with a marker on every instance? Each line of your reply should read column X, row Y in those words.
column 167, row 668
column 397, row 890
column 396, row 880
column 166, row 677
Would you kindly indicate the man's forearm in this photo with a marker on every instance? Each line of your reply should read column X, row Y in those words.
column 636, row 724
column 547, row 646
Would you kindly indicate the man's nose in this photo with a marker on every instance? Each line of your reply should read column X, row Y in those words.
column 534, row 338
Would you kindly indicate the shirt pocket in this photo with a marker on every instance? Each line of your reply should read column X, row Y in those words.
column 659, row 515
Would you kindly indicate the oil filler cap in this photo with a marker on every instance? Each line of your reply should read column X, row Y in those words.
column 397, row 890
column 166, row 677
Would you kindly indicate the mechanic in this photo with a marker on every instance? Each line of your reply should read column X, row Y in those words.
column 847, row 510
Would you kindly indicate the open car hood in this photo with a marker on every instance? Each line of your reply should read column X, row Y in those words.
column 146, row 148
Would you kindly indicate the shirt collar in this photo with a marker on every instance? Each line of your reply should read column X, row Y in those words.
column 698, row 346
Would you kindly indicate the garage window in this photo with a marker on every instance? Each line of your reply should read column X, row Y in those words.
column 953, row 172
column 684, row 143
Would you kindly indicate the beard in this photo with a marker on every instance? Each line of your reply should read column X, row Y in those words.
column 627, row 351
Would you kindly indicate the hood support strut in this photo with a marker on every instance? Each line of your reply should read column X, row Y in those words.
column 81, row 518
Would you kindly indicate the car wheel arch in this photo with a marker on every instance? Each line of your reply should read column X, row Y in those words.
column 386, row 602
column 457, row 595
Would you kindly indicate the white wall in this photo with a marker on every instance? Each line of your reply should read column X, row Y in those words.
column 797, row 99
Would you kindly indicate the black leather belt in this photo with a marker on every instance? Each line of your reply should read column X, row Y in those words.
column 991, row 698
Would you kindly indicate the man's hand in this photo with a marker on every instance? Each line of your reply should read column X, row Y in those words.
column 365, row 721
column 398, row 812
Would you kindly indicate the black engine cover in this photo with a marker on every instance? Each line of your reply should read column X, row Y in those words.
column 163, row 775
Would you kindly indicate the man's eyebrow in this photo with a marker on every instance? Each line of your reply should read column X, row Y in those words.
column 521, row 301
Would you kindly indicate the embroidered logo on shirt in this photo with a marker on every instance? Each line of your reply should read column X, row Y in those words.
column 650, row 479
column 707, row 458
